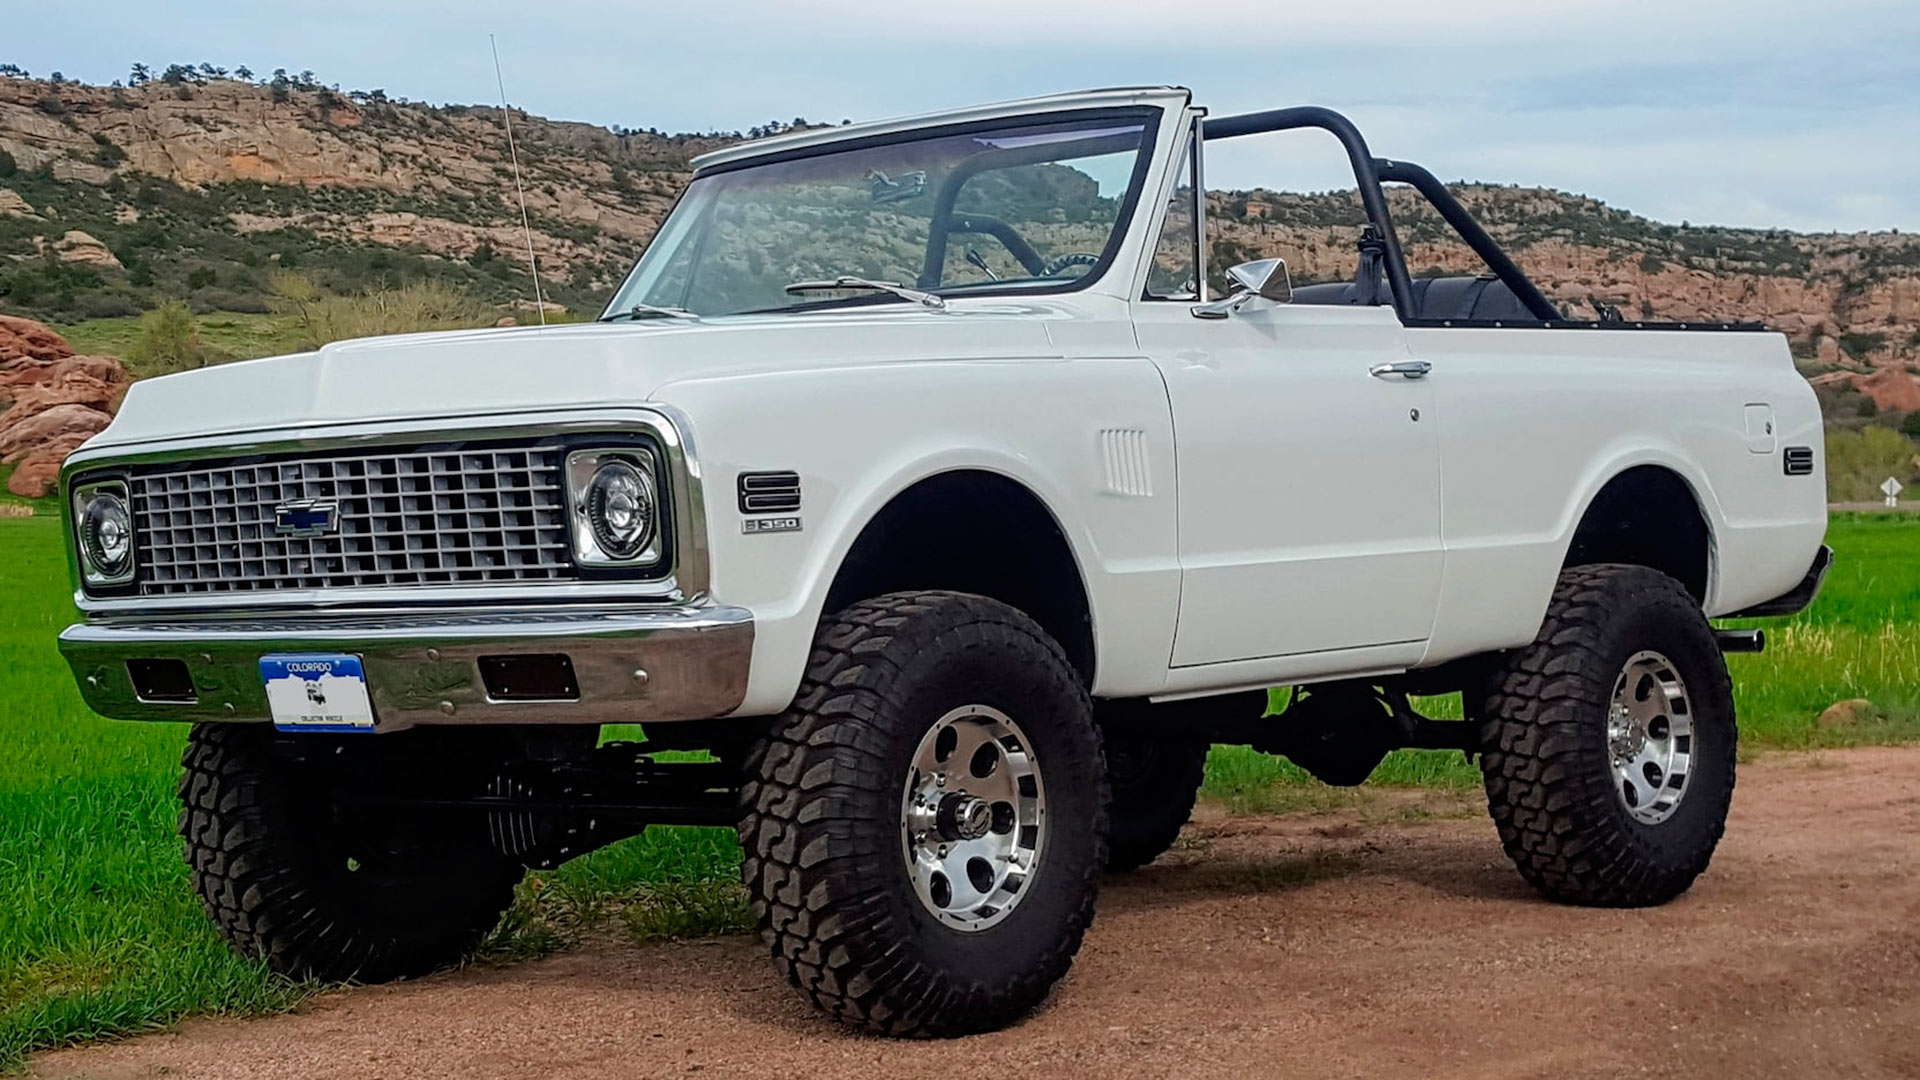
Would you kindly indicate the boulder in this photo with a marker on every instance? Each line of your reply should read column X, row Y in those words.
column 73, row 388
column 24, row 377
column 24, row 339
column 37, row 473
column 1851, row 713
column 19, row 437
column 12, row 205
column 84, row 248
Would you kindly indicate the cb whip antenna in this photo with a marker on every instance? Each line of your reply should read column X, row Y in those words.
column 513, row 155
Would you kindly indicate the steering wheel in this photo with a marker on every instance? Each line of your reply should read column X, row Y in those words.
column 1067, row 261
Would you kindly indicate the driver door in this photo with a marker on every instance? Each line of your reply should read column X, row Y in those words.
column 1308, row 477
column 1309, row 489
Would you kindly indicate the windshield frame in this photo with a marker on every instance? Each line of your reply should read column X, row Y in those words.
column 1150, row 117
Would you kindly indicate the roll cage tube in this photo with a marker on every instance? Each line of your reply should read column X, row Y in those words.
column 1368, row 173
column 946, row 221
column 1456, row 215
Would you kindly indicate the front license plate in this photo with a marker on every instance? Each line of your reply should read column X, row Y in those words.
column 317, row 692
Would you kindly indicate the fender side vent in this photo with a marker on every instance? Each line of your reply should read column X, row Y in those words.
column 769, row 492
column 1124, row 452
column 1798, row 460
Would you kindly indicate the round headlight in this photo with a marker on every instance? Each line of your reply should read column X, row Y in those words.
column 106, row 531
column 620, row 509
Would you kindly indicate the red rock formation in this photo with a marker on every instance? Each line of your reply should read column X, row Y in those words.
column 53, row 402
column 1890, row 388
column 24, row 339
column 20, row 437
column 36, row 473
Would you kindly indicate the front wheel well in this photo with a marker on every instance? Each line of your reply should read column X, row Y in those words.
column 1647, row 516
column 976, row 532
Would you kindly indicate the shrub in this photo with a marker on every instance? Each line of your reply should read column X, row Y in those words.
column 409, row 308
column 1859, row 461
column 169, row 341
column 107, row 153
column 1861, row 343
column 210, row 300
column 105, row 306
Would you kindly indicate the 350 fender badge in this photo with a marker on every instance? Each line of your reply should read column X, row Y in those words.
column 751, row 526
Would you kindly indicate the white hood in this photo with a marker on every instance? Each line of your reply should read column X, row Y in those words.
column 527, row 369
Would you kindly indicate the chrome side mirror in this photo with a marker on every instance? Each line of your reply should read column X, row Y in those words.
column 1264, row 278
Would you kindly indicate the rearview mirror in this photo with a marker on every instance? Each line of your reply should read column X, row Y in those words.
column 1265, row 278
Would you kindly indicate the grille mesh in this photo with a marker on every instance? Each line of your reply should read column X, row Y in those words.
column 406, row 517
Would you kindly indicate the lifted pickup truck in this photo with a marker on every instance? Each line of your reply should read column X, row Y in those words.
column 920, row 476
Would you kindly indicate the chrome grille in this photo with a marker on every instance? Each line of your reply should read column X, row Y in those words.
column 405, row 517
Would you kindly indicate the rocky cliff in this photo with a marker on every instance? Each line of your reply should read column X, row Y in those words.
column 111, row 198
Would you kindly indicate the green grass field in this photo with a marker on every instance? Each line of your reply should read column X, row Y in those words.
column 100, row 933
column 240, row 335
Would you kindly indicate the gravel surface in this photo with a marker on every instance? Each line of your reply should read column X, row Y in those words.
column 1387, row 939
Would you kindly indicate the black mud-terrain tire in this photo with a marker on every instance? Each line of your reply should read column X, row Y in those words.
column 1549, row 777
column 285, row 883
column 822, row 831
column 1155, row 777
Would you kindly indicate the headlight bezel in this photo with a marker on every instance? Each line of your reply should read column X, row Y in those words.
column 584, row 465
column 94, row 573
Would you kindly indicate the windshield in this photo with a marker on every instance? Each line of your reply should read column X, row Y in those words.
column 1024, row 205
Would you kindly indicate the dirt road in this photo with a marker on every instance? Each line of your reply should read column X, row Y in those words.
column 1309, row 945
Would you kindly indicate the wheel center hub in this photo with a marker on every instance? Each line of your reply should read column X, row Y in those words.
column 1625, row 736
column 963, row 817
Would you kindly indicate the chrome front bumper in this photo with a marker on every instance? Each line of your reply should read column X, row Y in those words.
column 632, row 663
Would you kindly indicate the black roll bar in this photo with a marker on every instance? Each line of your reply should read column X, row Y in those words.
column 1370, row 172
column 1364, row 171
column 1405, row 172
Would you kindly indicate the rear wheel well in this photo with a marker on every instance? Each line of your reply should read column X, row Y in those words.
column 1647, row 516
column 976, row 532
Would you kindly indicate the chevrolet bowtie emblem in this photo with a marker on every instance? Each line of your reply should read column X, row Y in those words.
column 306, row 517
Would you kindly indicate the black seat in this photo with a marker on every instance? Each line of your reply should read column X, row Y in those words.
column 1483, row 298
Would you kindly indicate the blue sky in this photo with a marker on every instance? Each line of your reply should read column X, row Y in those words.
column 1800, row 115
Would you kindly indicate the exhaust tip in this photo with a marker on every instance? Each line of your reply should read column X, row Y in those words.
column 1741, row 641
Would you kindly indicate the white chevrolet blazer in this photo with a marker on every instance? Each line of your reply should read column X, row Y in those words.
column 927, row 475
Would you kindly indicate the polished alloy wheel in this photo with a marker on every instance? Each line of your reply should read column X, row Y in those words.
column 973, row 817
column 1650, row 737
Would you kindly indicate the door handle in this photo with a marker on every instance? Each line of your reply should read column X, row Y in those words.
column 1406, row 369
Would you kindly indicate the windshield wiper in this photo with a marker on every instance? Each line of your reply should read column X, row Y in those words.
column 924, row 299
column 650, row 311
